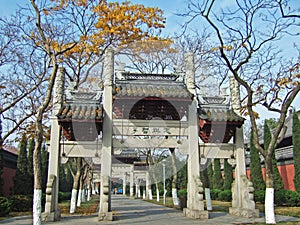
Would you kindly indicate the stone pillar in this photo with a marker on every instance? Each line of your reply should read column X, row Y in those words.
column 190, row 73
column 242, row 188
column 195, row 205
column 124, row 184
column 105, row 212
column 52, row 213
column 131, row 193
column 137, row 189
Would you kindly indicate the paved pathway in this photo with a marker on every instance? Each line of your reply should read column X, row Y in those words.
column 134, row 211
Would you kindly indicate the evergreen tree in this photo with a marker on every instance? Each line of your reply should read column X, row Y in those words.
column 228, row 179
column 204, row 177
column 65, row 179
column 21, row 183
column 296, row 150
column 31, row 146
column 210, row 173
column 217, row 176
column 182, row 177
column 255, row 168
column 278, row 184
column 69, row 180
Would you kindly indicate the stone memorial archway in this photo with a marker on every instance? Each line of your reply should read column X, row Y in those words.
column 144, row 111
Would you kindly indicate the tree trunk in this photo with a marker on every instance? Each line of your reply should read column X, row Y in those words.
column 156, row 185
column 79, row 197
column 207, row 189
column 269, row 198
column 73, row 201
column 174, row 180
column 76, row 179
column 1, row 158
column 157, row 191
column 84, row 177
column 89, row 187
column 208, row 199
column 37, row 193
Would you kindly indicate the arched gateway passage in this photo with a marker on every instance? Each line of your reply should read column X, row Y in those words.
column 145, row 111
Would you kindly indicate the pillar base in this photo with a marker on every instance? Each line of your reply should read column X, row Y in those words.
column 51, row 216
column 195, row 214
column 248, row 213
column 107, row 216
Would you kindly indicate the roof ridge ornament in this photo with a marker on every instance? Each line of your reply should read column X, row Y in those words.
column 148, row 76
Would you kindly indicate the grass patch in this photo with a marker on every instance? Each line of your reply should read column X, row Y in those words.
column 279, row 210
column 86, row 208
column 169, row 202
column 220, row 206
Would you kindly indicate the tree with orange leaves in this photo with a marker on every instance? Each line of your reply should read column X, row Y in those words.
column 98, row 25
column 74, row 34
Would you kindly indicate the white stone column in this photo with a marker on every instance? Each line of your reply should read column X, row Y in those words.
column 137, row 189
column 190, row 73
column 105, row 212
column 131, row 193
column 195, row 204
column 124, row 184
column 52, row 213
column 242, row 189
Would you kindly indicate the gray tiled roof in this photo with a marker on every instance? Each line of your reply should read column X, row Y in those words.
column 80, row 112
column 153, row 88
column 221, row 114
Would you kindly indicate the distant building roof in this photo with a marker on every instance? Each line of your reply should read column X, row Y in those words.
column 11, row 149
column 289, row 124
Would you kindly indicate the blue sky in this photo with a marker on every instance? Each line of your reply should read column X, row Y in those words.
column 8, row 7
column 170, row 7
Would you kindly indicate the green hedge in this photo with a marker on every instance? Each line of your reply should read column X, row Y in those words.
column 259, row 196
column 281, row 197
column 182, row 192
column 287, row 198
column 21, row 203
column 5, row 206
column 24, row 203
column 225, row 196
column 64, row 196
column 214, row 194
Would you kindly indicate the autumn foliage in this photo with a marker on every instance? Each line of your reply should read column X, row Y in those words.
column 105, row 24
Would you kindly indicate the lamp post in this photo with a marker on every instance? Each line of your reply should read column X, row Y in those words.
column 164, row 177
